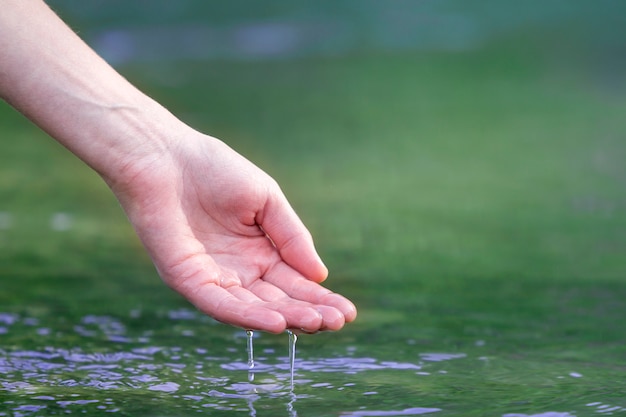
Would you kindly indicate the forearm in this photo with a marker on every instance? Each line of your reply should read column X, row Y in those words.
column 49, row 74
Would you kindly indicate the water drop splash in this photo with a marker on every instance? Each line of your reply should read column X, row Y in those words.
column 250, row 348
column 291, row 409
column 293, row 338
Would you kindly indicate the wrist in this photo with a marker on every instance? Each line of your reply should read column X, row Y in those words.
column 133, row 137
column 49, row 74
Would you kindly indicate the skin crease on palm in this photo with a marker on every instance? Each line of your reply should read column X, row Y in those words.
column 219, row 230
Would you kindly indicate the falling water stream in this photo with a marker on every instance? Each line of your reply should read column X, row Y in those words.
column 250, row 349
column 293, row 338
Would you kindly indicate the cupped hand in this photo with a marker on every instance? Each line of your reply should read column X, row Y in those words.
column 221, row 233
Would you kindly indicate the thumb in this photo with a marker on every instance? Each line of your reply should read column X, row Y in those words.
column 292, row 239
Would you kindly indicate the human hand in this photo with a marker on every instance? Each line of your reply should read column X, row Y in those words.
column 221, row 233
column 219, row 230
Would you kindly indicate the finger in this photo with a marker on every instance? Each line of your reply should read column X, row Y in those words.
column 291, row 237
column 268, row 292
column 297, row 287
column 244, row 295
column 249, row 314
column 299, row 314
column 333, row 319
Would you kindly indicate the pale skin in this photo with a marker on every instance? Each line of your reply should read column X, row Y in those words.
column 218, row 229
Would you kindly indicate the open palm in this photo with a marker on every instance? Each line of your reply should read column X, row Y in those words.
column 221, row 233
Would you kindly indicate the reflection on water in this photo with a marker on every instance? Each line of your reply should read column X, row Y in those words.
column 92, row 378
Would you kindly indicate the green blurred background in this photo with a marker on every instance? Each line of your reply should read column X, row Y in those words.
column 460, row 165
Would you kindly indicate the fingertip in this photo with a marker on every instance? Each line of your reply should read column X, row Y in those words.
column 314, row 270
column 350, row 313
column 307, row 319
column 341, row 303
column 333, row 318
column 304, row 258
column 319, row 271
column 274, row 323
column 292, row 239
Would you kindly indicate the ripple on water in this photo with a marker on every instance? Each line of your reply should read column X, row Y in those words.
column 546, row 414
column 406, row 412
column 438, row 357
column 188, row 373
column 46, row 377
column 165, row 387
column 346, row 365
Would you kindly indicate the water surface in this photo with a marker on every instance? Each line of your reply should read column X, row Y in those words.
column 103, row 365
